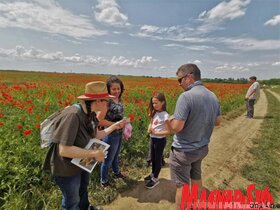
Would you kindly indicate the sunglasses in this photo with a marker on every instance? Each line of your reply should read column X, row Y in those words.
column 181, row 78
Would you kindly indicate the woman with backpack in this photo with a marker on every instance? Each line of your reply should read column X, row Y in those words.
column 73, row 130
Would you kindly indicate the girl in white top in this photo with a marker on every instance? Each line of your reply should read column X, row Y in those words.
column 158, row 129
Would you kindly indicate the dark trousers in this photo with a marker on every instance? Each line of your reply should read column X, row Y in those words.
column 157, row 147
column 250, row 107
column 149, row 156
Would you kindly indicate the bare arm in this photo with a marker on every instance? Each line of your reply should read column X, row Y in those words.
column 110, row 129
column 102, row 121
column 77, row 152
column 176, row 125
column 149, row 128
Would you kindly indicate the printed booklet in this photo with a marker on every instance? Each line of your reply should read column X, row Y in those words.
column 88, row 164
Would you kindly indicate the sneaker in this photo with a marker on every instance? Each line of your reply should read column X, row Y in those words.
column 148, row 178
column 151, row 184
column 105, row 185
column 95, row 208
column 119, row 176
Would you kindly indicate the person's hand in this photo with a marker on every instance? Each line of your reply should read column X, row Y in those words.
column 149, row 130
column 120, row 124
column 99, row 155
column 171, row 118
column 153, row 131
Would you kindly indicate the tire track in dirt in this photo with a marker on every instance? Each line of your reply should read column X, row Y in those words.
column 276, row 95
column 228, row 152
column 228, row 149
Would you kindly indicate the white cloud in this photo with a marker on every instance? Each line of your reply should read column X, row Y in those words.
column 21, row 53
column 180, row 33
column 122, row 61
column 46, row 16
column 218, row 52
column 226, row 10
column 231, row 68
column 197, row 62
column 149, row 29
column 276, row 63
column 190, row 47
column 108, row 12
column 253, row 64
column 274, row 21
column 248, row 44
column 112, row 43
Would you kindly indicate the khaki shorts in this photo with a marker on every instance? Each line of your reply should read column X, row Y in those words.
column 186, row 165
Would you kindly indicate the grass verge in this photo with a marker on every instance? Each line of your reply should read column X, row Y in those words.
column 265, row 170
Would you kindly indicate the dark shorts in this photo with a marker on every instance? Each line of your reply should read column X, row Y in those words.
column 186, row 165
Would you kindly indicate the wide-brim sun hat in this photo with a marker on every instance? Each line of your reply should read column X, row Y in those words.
column 95, row 90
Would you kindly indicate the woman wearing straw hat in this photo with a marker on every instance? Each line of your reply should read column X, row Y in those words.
column 75, row 127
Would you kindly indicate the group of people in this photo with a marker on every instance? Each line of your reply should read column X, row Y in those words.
column 101, row 116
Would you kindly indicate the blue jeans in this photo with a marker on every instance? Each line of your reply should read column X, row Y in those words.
column 74, row 191
column 115, row 142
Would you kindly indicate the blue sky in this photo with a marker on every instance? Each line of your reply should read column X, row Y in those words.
column 233, row 38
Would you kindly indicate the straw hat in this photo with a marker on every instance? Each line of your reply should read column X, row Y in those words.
column 95, row 90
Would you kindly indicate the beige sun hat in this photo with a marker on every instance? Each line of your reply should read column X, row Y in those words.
column 95, row 90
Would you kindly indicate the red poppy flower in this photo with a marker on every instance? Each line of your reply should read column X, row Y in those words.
column 67, row 103
column 19, row 126
column 131, row 117
column 1, row 123
column 27, row 132
column 38, row 125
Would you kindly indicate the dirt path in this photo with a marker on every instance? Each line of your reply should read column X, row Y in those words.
column 276, row 95
column 228, row 151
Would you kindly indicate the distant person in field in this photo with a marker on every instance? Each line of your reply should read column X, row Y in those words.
column 251, row 96
column 114, row 113
column 74, row 128
column 158, row 129
column 197, row 112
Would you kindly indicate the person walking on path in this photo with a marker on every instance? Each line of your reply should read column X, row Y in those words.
column 158, row 129
column 197, row 112
column 114, row 113
column 73, row 130
column 251, row 96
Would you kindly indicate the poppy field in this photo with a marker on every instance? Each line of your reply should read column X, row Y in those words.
column 27, row 98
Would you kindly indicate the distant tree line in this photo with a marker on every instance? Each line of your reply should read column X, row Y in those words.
column 270, row 82
column 242, row 81
column 229, row 80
